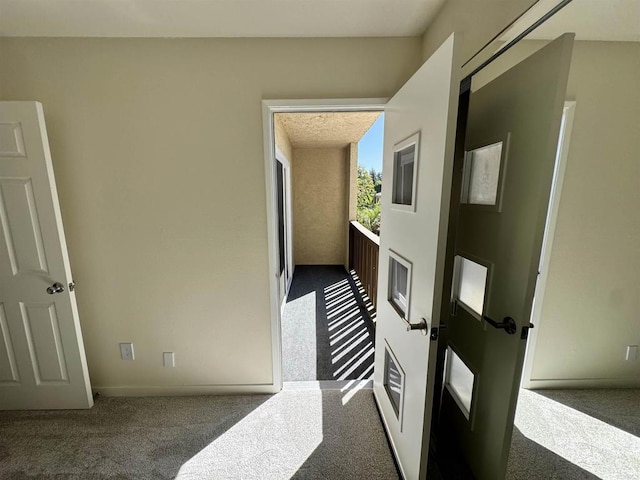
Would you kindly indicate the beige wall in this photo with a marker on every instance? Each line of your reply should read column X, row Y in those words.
column 158, row 154
column 592, row 302
column 320, row 205
column 590, row 308
column 478, row 22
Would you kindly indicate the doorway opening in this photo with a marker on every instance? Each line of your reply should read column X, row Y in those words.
column 326, row 188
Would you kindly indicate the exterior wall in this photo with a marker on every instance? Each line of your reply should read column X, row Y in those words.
column 158, row 153
column 282, row 139
column 352, row 188
column 477, row 21
column 320, row 205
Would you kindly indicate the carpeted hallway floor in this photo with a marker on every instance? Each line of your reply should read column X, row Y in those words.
column 327, row 330
column 302, row 432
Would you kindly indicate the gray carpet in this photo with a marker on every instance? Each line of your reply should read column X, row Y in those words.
column 576, row 434
column 327, row 330
column 298, row 433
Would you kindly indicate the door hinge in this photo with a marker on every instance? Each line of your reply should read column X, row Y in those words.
column 525, row 331
column 72, row 286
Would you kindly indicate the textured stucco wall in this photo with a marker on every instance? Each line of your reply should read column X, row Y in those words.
column 320, row 205
column 352, row 188
column 281, row 138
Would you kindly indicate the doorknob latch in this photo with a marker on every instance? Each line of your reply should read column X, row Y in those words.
column 508, row 324
column 55, row 288
column 525, row 331
column 421, row 325
column 435, row 331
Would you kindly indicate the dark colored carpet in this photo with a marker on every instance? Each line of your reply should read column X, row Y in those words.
column 327, row 330
column 303, row 434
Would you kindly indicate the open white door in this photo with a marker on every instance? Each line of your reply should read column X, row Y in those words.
column 42, row 358
column 420, row 126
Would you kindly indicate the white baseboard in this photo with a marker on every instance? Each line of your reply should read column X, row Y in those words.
column 182, row 390
column 582, row 383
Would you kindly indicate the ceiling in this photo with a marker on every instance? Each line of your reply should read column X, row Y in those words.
column 325, row 129
column 216, row 18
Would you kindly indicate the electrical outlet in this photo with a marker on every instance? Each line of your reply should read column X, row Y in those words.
column 126, row 351
column 632, row 353
column 168, row 359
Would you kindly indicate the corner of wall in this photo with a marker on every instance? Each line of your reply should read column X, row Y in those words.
column 351, row 166
column 477, row 22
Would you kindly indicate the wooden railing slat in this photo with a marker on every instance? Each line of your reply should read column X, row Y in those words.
column 363, row 258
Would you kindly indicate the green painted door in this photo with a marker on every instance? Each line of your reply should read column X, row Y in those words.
column 511, row 142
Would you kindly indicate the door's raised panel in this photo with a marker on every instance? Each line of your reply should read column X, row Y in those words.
column 42, row 330
column 11, row 140
column 8, row 369
column 23, row 239
column 42, row 359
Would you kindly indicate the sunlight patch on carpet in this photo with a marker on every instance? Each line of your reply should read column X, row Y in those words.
column 589, row 443
column 273, row 441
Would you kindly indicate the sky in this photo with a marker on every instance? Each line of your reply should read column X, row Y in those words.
column 370, row 146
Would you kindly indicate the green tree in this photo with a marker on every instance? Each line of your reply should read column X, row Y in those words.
column 366, row 189
column 377, row 179
column 368, row 210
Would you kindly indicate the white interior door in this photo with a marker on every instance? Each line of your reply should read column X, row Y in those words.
column 42, row 358
column 420, row 123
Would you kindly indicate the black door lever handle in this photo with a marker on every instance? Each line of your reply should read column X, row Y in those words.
column 508, row 324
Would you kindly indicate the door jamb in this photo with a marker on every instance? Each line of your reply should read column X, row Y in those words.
column 269, row 108
column 288, row 209
column 562, row 155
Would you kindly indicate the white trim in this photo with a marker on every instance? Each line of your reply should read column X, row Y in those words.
column 181, row 390
column 326, row 105
column 269, row 107
column 562, row 153
column 568, row 383
column 391, row 283
column 290, row 267
column 397, row 148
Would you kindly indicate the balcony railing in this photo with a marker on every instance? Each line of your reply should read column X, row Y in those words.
column 363, row 258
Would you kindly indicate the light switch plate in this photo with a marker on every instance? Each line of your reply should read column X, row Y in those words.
column 126, row 351
column 168, row 359
column 632, row 353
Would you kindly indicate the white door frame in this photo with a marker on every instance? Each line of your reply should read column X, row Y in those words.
column 269, row 108
column 547, row 245
column 288, row 211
